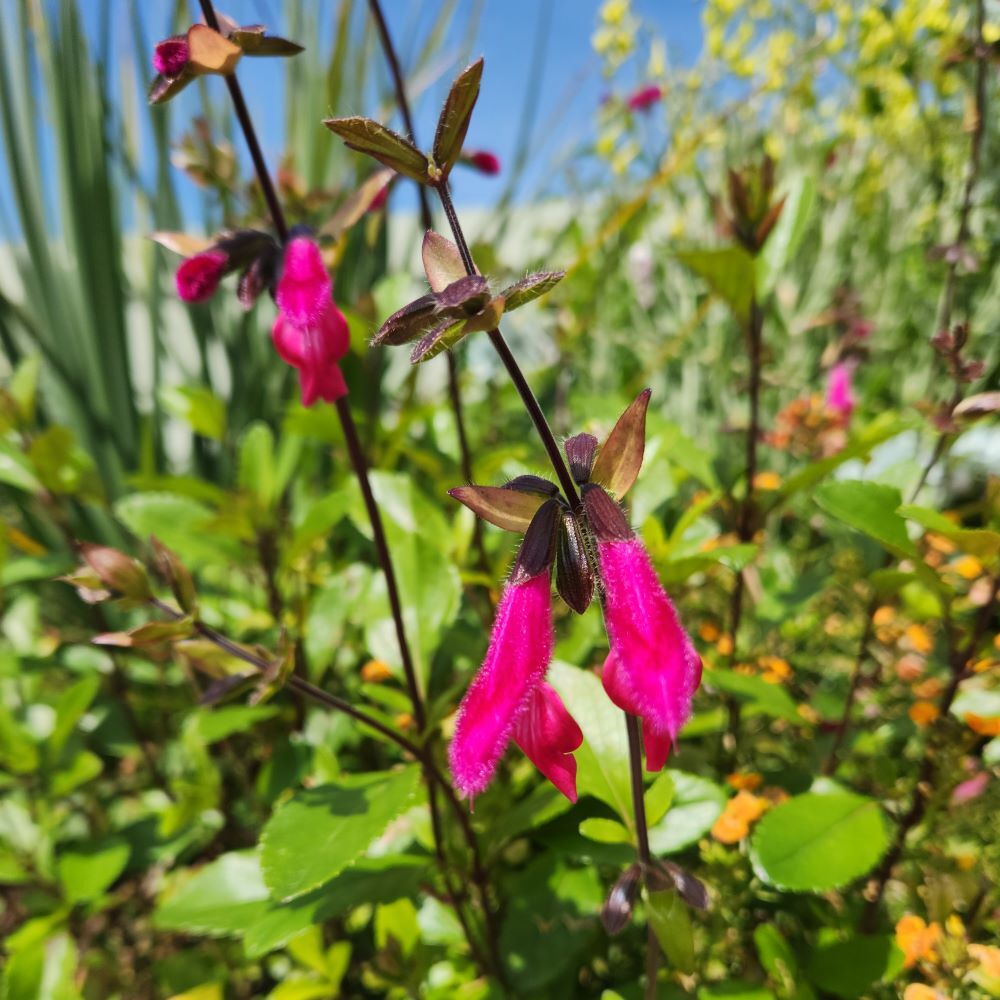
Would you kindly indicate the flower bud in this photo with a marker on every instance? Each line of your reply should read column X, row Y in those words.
column 170, row 57
column 117, row 571
column 198, row 277
column 484, row 161
column 645, row 97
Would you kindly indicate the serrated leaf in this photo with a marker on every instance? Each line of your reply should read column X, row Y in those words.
column 381, row 143
column 620, row 458
column 442, row 261
column 870, row 508
column 506, row 508
column 816, row 842
column 321, row 831
column 530, row 288
column 453, row 122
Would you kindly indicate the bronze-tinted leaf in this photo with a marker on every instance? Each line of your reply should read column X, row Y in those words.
column 487, row 318
column 255, row 41
column 118, row 572
column 357, row 203
column 581, row 451
column 163, row 88
column 408, row 323
column 692, row 890
column 210, row 52
column 538, row 549
column 455, row 117
column 506, row 508
column 182, row 243
column 224, row 688
column 275, row 677
column 442, row 261
column 530, row 288
column 381, row 143
column 980, row 405
column 441, row 338
column 176, row 575
column 617, row 909
column 574, row 576
column 532, row 484
column 149, row 634
column 607, row 519
column 618, row 464
column 467, row 296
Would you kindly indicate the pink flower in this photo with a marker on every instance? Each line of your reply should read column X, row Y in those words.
column 379, row 200
column 484, row 161
column 198, row 277
column 171, row 56
column 310, row 332
column 645, row 97
column 508, row 698
column 653, row 669
column 971, row 788
column 839, row 394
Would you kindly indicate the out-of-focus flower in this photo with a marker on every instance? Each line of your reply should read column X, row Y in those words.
column 968, row 567
column 920, row 991
column 970, row 789
column 917, row 939
column 776, row 670
column 645, row 97
column 923, row 713
column 981, row 725
column 198, row 277
column 987, row 974
column 910, row 668
column 839, row 390
column 375, row 671
column 767, row 480
column 919, row 639
column 745, row 782
column 482, row 160
column 310, row 332
column 741, row 811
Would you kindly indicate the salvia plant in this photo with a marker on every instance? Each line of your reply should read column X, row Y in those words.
column 384, row 831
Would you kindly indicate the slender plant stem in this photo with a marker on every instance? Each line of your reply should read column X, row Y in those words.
column 361, row 471
column 427, row 221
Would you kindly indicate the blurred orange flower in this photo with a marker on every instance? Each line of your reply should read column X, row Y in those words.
column 920, row 991
column 923, row 713
column 968, row 567
column 983, row 726
column 375, row 671
column 919, row 638
column 746, row 782
column 741, row 810
column 917, row 939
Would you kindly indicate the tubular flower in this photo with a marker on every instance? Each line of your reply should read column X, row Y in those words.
column 198, row 277
column 509, row 697
column 653, row 669
column 170, row 57
column 645, row 97
column 483, row 160
column 310, row 332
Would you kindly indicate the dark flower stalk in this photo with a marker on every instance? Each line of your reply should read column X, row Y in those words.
column 360, row 467
column 427, row 221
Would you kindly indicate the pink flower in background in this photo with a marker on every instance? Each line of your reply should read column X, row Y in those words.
column 645, row 97
column 483, row 160
column 171, row 56
column 198, row 277
column 839, row 389
column 310, row 332
column 971, row 788
column 653, row 669
column 509, row 698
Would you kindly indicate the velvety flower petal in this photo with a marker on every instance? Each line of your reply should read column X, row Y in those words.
column 315, row 351
column 548, row 735
column 198, row 277
column 171, row 56
column 518, row 656
column 304, row 288
column 655, row 669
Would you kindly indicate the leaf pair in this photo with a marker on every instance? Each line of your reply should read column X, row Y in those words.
column 383, row 144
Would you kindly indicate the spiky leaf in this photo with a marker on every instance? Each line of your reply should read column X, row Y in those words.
column 455, row 116
column 372, row 138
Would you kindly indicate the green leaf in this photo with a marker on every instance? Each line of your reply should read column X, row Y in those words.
column 198, row 407
column 87, row 870
column 605, row 831
column 602, row 761
column 321, row 831
column 728, row 272
column 530, row 288
column 771, row 699
column 776, row 956
column 977, row 541
column 849, row 968
column 620, row 458
column 870, row 508
column 813, row 842
column 734, row 989
column 375, row 140
column 696, row 805
column 222, row 898
column 658, row 797
column 453, row 122
column 787, row 234
column 18, row 752
column 16, row 470
column 369, row 880
column 670, row 919
column 209, row 726
column 42, row 971
column 72, row 703
column 256, row 464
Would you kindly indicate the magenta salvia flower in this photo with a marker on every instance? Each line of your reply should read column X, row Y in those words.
column 653, row 670
column 310, row 332
column 839, row 389
column 171, row 56
column 548, row 735
column 484, row 161
column 645, row 97
column 198, row 277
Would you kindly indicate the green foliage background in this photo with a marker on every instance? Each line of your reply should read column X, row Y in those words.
column 151, row 845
